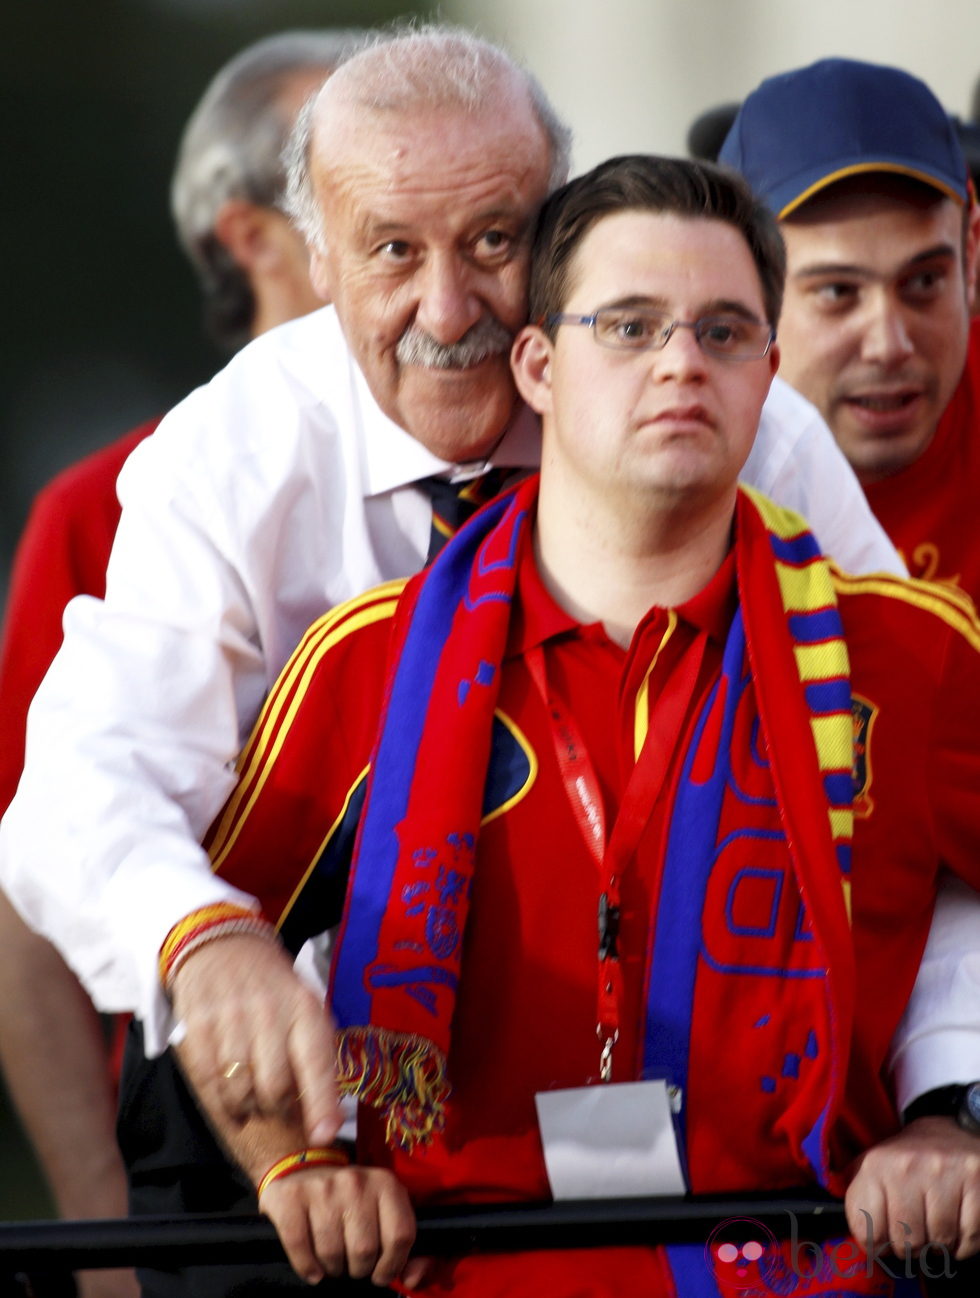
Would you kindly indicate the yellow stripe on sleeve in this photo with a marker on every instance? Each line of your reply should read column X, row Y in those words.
column 280, row 708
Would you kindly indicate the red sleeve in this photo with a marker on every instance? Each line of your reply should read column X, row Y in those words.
column 307, row 755
column 955, row 768
column 62, row 552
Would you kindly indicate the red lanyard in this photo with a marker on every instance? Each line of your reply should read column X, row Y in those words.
column 611, row 852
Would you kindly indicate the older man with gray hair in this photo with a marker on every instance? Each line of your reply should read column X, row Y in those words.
column 277, row 490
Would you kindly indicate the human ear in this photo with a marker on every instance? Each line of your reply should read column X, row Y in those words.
column 530, row 362
column 970, row 252
column 240, row 227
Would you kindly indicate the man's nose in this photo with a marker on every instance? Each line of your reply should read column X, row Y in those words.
column 885, row 339
column 447, row 305
column 681, row 357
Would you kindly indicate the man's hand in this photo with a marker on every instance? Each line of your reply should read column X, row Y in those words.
column 257, row 1039
column 337, row 1220
column 926, row 1177
column 107, row 1284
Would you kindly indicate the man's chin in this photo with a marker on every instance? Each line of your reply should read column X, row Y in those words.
column 460, row 420
column 880, row 455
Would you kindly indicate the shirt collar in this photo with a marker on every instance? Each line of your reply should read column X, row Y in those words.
column 539, row 618
column 713, row 607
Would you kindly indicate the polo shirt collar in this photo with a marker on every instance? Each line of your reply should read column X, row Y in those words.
column 539, row 618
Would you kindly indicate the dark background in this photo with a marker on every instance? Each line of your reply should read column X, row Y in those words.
column 101, row 313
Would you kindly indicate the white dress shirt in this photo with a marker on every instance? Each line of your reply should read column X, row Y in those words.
column 938, row 1040
column 269, row 495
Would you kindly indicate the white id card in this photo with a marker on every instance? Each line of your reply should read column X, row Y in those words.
column 611, row 1140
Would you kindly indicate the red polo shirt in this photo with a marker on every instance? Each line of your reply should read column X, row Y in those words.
column 62, row 552
column 929, row 509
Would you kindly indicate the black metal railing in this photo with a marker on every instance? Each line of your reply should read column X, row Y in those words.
column 50, row 1248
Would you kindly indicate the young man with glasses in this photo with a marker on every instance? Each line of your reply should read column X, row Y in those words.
column 632, row 727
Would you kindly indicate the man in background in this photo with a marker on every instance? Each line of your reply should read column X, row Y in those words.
column 253, row 272
column 864, row 169
column 866, row 173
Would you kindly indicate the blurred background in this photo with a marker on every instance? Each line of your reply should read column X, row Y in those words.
column 102, row 324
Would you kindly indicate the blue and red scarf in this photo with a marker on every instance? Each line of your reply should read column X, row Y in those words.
column 399, row 955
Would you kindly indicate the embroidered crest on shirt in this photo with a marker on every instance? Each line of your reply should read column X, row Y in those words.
column 863, row 716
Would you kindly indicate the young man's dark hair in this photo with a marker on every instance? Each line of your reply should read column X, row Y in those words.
column 646, row 183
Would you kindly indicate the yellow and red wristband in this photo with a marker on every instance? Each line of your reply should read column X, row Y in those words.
column 223, row 919
column 300, row 1161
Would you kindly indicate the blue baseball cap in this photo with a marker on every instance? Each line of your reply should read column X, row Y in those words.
column 802, row 131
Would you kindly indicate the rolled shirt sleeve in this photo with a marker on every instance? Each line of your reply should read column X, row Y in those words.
column 257, row 505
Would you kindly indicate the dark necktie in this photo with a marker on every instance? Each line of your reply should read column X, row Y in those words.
column 454, row 502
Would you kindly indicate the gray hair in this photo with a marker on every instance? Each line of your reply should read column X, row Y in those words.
column 232, row 148
column 431, row 66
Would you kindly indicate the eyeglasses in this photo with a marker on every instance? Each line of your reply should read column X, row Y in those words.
column 640, row 329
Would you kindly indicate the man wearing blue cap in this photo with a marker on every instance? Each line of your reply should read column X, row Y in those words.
column 864, row 169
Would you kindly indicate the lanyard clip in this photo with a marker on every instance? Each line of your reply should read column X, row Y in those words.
column 608, row 929
column 605, row 1058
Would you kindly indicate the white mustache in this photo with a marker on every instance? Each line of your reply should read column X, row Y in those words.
column 488, row 337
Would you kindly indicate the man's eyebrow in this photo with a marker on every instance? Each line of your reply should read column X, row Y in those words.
column 382, row 229
column 519, row 221
column 375, row 227
column 822, row 268
column 942, row 251
column 379, row 226
column 729, row 306
column 939, row 252
column 636, row 299
column 717, row 306
column 503, row 212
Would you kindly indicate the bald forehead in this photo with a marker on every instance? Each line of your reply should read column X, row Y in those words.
column 411, row 74
column 407, row 149
column 347, row 108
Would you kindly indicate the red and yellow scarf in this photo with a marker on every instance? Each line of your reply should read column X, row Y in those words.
column 399, row 955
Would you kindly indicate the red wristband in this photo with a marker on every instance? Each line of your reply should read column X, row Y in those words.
column 299, row 1161
column 205, row 925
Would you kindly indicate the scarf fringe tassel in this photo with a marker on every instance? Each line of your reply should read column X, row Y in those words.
column 403, row 1076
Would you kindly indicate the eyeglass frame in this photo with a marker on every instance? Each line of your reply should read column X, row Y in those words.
column 567, row 317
